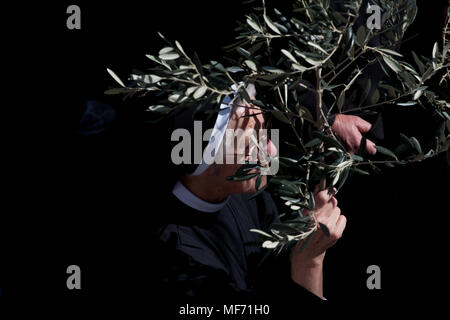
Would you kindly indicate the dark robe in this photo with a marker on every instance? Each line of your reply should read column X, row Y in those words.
column 209, row 257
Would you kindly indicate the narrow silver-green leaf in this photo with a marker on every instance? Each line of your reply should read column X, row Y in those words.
column 169, row 56
column 394, row 65
column 251, row 65
column 179, row 47
column 115, row 77
column 416, row 144
column 271, row 25
column 386, row 152
column 165, row 50
column 418, row 62
column 289, row 55
column 391, row 52
column 435, row 51
column 407, row 104
column 200, row 92
column 272, row 69
column 253, row 24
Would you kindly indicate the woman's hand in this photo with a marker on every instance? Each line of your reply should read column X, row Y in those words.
column 350, row 129
column 306, row 266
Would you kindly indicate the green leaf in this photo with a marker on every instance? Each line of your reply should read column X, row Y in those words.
column 305, row 243
column 264, row 234
column 165, row 50
column 258, row 182
column 285, row 228
column 406, row 140
column 357, row 158
column 311, row 201
column 169, row 56
column 328, row 140
column 416, row 145
column 289, row 55
column 386, row 152
column 244, row 52
column 280, row 116
column 258, row 192
column 272, row 69
column 307, row 59
column 361, row 35
column 419, row 63
column 251, row 65
column 341, row 101
column 418, row 94
column 200, row 92
column 116, row 91
column 271, row 25
column 244, row 169
column 391, row 52
column 258, row 103
column 314, row 142
column 159, row 108
column 175, row 97
column 343, row 179
column 325, row 229
column 407, row 104
column 359, row 171
column 115, row 77
column 270, row 244
column 234, row 69
column 254, row 25
column 180, row 47
column 243, row 178
column 315, row 45
column 299, row 67
column 394, row 65
column 435, row 51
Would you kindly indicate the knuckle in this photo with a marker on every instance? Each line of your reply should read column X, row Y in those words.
column 334, row 237
column 335, row 201
column 337, row 210
column 322, row 196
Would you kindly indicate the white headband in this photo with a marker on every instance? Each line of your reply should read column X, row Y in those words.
column 219, row 129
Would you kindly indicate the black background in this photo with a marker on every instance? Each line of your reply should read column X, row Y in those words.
column 69, row 201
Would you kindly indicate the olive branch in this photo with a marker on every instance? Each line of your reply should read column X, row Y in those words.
column 277, row 54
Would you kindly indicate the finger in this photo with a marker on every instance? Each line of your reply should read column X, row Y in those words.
column 340, row 226
column 362, row 125
column 356, row 141
column 334, row 217
column 370, row 147
column 334, row 202
column 329, row 217
column 323, row 197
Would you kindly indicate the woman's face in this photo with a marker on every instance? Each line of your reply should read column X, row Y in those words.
column 238, row 147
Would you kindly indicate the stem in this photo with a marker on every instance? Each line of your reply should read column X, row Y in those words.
column 320, row 116
column 345, row 67
column 376, row 104
column 298, row 137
